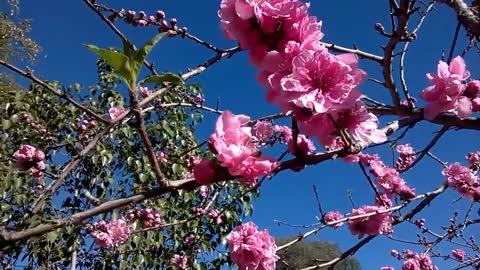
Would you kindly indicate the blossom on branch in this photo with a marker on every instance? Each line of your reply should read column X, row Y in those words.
column 446, row 93
column 111, row 234
column 380, row 223
column 251, row 249
column 28, row 157
column 232, row 142
column 333, row 216
column 463, row 180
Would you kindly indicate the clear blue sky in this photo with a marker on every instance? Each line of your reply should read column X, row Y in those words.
column 61, row 27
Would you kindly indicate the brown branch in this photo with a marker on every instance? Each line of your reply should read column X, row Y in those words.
column 137, row 111
column 202, row 67
column 403, row 54
column 37, row 205
column 466, row 16
column 28, row 74
column 118, row 33
column 444, row 119
column 402, row 14
column 5, row 236
column 427, row 149
column 428, row 198
column 360, row 53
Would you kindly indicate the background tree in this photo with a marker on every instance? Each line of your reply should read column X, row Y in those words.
column 306, row 253
column 112, row 175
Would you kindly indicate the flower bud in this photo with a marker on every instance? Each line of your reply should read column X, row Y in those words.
column 160, row 14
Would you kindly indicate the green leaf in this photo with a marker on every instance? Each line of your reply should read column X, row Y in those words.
column 138, row 57
column 142, row 53
column 52, row 236
column 117, row 60
column 163, row 78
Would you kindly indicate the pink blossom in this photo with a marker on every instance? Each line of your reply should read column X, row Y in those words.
column 102, row 239
column 394, row 253
column 205, row 171
column 391, row 182
column 411, row 264
column 190, row 239
column 361, row 125
column 215, row 214
column 119, row 231
column 29, row 157
column 145, row 92
column 266, row 27
column 262, row 130
column 115, row 112
column 180, row 261
column 476, row 104
column 474, row 158
column 204, row 191
column 255, row 167
column 161, row 157
column 445, row 95
column 110, row 234
column 472, row 88
column 285, row 133
column 234, row 148
column 371, row 225
column 333, row 216
column 387, row 268
column 149, row 217
column 406, row 158
column 252, row 249
column 320, row 82
column 459, row 254
column 383, row 200
column 304, row 146
column 463, row 180
column 405, row 149
column 415, row 261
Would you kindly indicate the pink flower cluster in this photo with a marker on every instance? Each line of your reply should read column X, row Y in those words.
column 83, row 126
column 262, row 131
column 215, row 214
column 414, row 261
column 251, row 249
column 387, row 178
column 144, row 91
column 448, row 91
column 333, row 216
column 111, row 234
column 301, row 76
column 380, row 223
column 304, row 146
column 459, row 254
column 464, row 180
column 30, row 158
column 361, row 124
column 232, row 143
column 474, row 160
column 115, row 112
column 149, row 217
column 406, row 158
column 180, row 261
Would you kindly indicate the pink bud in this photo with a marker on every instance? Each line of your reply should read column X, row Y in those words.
column 473, row 88
column 204, row 172
column 171, row 33
column 39, row 155
column 160, row 14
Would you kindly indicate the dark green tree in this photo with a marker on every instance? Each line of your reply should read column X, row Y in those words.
column 308, row 253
